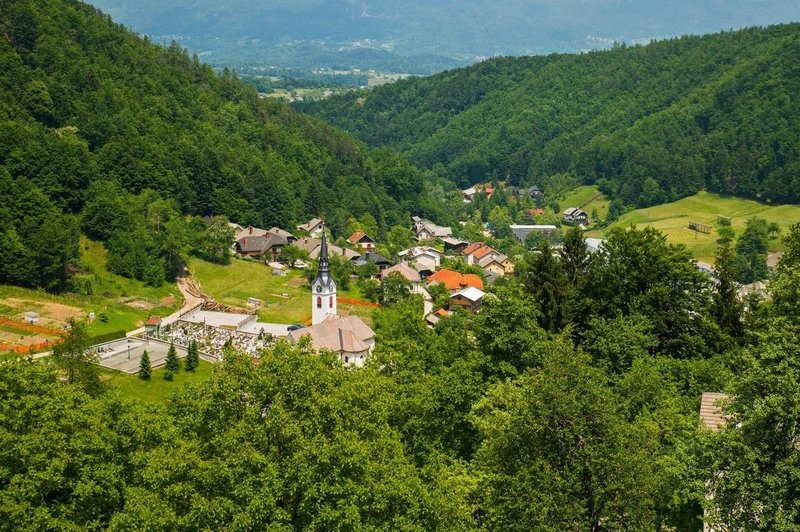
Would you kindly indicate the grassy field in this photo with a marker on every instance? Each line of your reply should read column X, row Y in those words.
column 673, row 220
column 284, row 299
column 124, row 303
column 582, row 197
column 156, row 390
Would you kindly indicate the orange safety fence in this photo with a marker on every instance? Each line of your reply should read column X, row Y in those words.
column 358, row 302
column 22, row 349
column 27, row 327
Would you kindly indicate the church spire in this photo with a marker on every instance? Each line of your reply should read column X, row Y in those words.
column 323, row 291
column 323, row 271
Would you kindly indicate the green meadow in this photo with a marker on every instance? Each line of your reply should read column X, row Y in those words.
column 156, row 390
column 284, row 299
column 673, row 220
column 587, row 198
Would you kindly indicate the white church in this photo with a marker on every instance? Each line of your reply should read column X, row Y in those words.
column 347, row 336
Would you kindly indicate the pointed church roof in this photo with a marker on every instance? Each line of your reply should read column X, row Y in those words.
column 323, row 271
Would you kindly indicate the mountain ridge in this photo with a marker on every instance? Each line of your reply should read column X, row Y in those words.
column 528, row 119
column 295, row 33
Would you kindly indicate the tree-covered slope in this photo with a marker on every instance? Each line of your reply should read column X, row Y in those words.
column 87, row 106
column 649, row 123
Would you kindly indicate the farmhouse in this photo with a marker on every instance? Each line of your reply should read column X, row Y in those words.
column 267, row 245
column 360, row 239
column 455, row 281
column 426, row 230
column 313, row 227
column 379, row 260
column 408, row 273
column 532, row 192
column 468, row 298
column 575, row 216
column 290, row 238
column 313, row 246
column 454, row 244
column 496, row 263
column 469, row 194
column 593, row 245
column 424, row 258
column 249, row 231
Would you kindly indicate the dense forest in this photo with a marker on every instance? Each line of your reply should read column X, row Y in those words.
column 89, row 110
column 648, row 123
column 569, row 402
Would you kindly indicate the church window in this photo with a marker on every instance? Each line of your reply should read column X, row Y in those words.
column 319, row 302
column 331, row 302
column 346, row 360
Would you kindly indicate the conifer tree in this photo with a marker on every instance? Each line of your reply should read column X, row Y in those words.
column 145, row 369
column 193, row 357
column 173, row 364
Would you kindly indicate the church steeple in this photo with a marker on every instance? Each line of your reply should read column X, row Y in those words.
column 323, row 271
column 323, row 290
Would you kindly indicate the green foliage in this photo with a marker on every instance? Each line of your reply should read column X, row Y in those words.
column 38, row 244
column 145, row 369
column 172, row 363
column 751, row 251
column 558, row 455
column 73, row 359
column 543, row 276
column 393, row 289
column 192, row 357
column 637, row 272
column 727, row 309
column 648, row 123
column 96, row 119
column 107, row 337
column 758, row 450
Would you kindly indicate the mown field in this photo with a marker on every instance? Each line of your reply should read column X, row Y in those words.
column 587, row 198
column 156, row 390
column 673, row 220
column 284, row 299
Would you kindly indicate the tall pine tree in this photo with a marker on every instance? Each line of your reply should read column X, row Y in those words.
column 172, row 363
column 145, row 369
column 193, row 357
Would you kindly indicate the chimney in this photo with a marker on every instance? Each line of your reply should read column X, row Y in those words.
column 251, row 229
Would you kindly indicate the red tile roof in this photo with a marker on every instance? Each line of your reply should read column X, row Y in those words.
column 355, row 237
column 482, row 252
column 454, row 280
column 153, row 321
column 469, row 250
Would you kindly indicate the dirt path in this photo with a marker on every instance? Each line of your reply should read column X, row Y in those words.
column 192, row 297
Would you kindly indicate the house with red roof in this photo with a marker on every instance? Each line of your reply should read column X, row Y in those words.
column 360, row 239
column 455, row 281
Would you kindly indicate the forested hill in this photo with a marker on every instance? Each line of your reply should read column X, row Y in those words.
column 648, row 123
column 87, row 108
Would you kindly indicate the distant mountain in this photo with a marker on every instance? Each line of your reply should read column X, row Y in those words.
column 649, row 124
column 423, row 36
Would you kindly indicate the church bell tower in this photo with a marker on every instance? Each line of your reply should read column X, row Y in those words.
column 323, row 289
